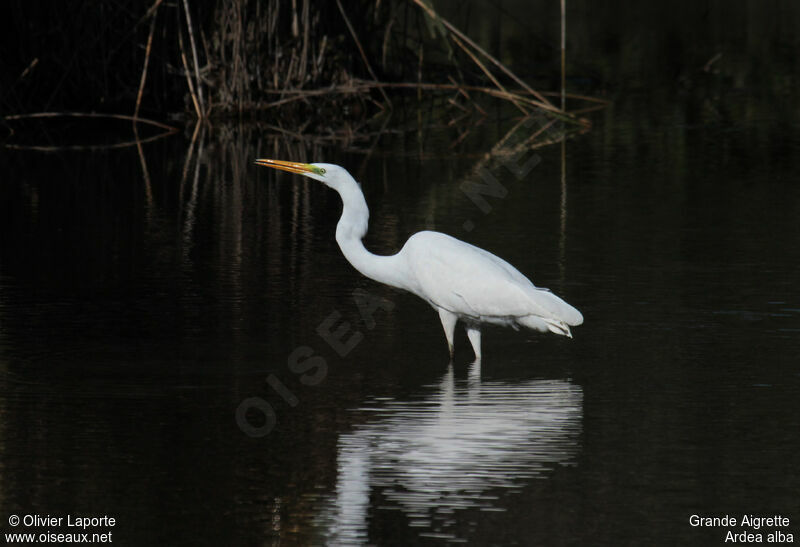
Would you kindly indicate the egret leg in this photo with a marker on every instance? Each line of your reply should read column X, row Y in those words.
column 474, row 335
column 449, row 324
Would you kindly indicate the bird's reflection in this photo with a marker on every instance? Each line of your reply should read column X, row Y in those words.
column 456, row 449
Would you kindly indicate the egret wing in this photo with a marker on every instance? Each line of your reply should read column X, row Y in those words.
column 467, row 280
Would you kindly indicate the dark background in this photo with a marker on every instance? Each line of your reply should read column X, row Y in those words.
column 145, row 292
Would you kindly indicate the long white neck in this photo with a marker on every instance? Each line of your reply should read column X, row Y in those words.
column 351, row 229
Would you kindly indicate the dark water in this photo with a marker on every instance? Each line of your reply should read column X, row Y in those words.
column 145, row 298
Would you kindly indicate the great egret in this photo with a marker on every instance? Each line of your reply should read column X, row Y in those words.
column 461, row 281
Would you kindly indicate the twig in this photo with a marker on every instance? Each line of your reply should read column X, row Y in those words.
column 362, row 86
column 460, row 138
column 124, row 38
column 194, row 56
column 714, row 59
column 287, row 79
column 315, row 59
column 295, row 26
column 146, row 62
column 361, row 50
column 380, row 133
column 454, row 102
column 386, row 35
column 580, row 97
column 464, row 92
column 587, row 109
column 501, row 94
column 188, row 74
column 28, row 69
column 304, row 53
column 494, row 61
column 356, row 86
column 563, row 55
column 21, row 77
column 460, row 89
column 419, row 73
column 454, row 121
column 488, row 73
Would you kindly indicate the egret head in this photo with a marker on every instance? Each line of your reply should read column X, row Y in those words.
column 329, row 174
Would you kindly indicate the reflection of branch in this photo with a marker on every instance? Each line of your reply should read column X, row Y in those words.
column 530, row 142
column 90, row 115
column 114, row 146
column 346, row 139
column 55, row 148
column 188, row 159
column 188, row 228
column 542, row 135
column 503, row 150
column 145, row 173
column 502, row 142
column 380, row 133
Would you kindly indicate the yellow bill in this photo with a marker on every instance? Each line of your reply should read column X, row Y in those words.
column 290, row 166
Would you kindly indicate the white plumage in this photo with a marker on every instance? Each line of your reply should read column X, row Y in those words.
column 461, row 281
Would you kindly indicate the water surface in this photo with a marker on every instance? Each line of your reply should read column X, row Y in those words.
column 144, row 298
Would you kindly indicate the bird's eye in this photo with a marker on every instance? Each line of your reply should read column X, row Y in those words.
column 322, row 171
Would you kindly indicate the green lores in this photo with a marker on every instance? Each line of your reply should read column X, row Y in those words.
column 317, row 170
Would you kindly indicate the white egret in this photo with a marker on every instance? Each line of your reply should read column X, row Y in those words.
column 461, row 281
